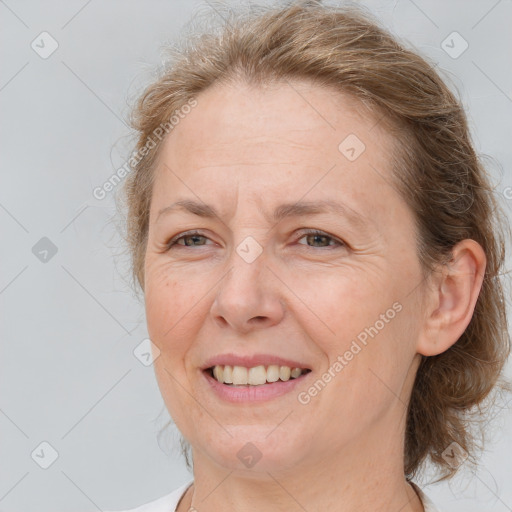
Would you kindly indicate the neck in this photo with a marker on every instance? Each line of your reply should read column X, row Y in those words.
column 367, row 475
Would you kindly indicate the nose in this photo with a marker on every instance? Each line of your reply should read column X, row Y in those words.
column 248, row 296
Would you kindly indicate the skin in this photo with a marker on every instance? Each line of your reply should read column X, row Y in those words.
column 246, row 150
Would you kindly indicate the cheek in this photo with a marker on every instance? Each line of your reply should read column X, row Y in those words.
column 359, row 319
column 341, row 303
column 376, row 350
column 171, row 302
column 168, row 329
column 172, row 316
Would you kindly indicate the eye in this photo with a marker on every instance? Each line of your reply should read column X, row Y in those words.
column 196, row 238
column 315, row 236
column 190, row 238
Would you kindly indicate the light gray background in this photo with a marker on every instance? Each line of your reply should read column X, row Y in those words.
column 69, row 326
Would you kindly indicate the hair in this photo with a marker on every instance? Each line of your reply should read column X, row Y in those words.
column 435, row 169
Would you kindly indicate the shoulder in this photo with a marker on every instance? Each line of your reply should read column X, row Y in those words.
column 165, row 503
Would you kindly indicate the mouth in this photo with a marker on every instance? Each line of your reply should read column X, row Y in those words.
column 261, row 375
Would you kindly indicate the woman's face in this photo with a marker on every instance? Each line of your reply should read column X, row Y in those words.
column 344, row 303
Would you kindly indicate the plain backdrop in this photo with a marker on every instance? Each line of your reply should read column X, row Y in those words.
column 74, row 395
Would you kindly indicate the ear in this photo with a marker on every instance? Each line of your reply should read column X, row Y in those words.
column 451, row 298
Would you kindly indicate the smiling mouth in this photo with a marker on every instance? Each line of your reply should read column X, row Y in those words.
column 256, row 376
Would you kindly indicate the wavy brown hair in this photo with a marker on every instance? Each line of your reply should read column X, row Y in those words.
column 435, row 168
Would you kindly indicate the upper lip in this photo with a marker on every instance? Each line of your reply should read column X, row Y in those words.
column 250, row 361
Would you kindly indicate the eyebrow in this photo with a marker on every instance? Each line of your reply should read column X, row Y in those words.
column 281, row 212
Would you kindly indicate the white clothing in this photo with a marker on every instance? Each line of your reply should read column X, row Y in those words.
column 428, row 505
column 169, row 502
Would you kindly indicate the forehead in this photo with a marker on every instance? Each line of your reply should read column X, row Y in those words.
column 297, row 111
column 292, row 139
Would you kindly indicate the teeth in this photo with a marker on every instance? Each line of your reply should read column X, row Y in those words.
column 295, row 372
column 256, row 376
column 228, row 375
column 239, row 375
column 285, row 372
column 218, row 373
column 273, row 373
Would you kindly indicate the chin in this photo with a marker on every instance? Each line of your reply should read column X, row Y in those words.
column 256, row 450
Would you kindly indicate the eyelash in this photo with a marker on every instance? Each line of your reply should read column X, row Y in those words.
column 173, row 241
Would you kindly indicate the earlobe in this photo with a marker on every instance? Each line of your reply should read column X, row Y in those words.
column 452, row 298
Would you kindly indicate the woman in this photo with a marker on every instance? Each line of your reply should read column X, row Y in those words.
column 319, row 250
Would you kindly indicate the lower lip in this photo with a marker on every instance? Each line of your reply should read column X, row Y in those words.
column 262, row 393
